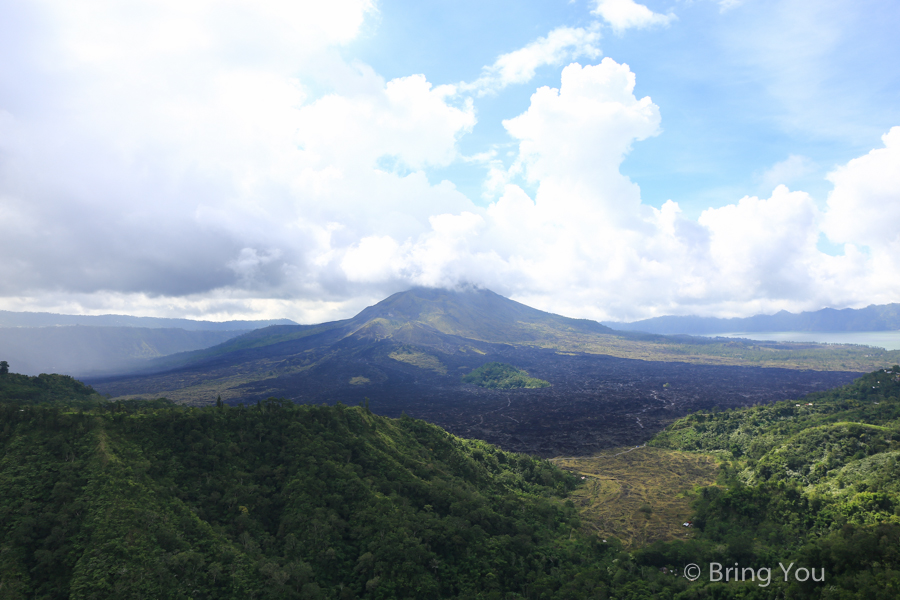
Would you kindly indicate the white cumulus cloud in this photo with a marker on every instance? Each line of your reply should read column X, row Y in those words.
column 864, row 207
column 584, row 243
column 231, row 163
column 173, row 150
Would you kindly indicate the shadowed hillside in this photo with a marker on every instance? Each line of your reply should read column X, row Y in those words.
column 82, row 350
column 106, row 344
column 278, row 501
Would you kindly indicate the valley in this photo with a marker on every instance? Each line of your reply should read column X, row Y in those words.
column 594, row 401
column 408, row 354
column 146, row 498
column 640, row 495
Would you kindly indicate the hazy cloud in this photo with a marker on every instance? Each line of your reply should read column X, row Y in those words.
column 628, row 14
column 726, row 5
column 560, row 45
column 787, row 171
column 156, row 163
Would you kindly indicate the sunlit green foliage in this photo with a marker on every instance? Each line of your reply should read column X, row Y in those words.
column 814, row 481
column 497, row 375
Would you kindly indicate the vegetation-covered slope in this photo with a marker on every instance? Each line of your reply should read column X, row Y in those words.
column 284, row 501
column 46, row 389
column 813, row 482
column 641, row 494
column 278, row 501
column 497, row 375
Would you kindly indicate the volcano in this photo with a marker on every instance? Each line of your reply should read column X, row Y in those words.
column 408, row 354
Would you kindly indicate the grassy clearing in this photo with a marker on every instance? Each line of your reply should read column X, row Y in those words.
column 639, row 495
column 495, row 375
column 419, row 359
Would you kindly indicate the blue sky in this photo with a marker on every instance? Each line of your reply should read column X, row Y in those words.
column 605, row 159
column 740, row 89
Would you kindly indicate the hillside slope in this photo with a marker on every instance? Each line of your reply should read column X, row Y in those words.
column 419, row 316
column 82, row 345
column 278, row 501
column 16, row 388
column 148, row 499
column 814, row 482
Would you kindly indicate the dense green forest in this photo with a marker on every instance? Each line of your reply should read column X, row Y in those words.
column 277, row 501
column 45, row 389
column 145, row 499
column 502, row 376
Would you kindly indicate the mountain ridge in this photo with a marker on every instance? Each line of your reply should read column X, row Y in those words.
column 875, row 317
column 474, row 314
column 92, row 345
column 10, row 318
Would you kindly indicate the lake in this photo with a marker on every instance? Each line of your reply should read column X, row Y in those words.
column 889, row 340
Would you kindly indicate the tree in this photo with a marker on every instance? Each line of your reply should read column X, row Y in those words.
column 4, row 367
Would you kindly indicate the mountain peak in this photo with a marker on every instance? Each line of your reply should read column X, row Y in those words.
column 475, row 313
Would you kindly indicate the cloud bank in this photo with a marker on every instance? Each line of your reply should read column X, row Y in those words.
column 230, row 163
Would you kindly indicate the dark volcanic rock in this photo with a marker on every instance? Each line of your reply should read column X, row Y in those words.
column 595, row 401
column 408, row 353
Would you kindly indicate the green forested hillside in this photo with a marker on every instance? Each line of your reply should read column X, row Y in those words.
column 46, row 389
column 152, row 500
column 278, row 501
column 814, row 482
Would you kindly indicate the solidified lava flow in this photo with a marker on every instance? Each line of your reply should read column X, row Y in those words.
column 595, row 401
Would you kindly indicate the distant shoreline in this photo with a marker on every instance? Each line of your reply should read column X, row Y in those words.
column 889, row 340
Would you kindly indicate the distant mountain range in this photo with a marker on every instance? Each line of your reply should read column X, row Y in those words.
column 884, row 317
column 81, row 345
column 43, row 319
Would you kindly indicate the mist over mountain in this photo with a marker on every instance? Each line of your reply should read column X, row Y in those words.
column 90, row 345
column 884, row 317
column 79, row 350
column 42, row 319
